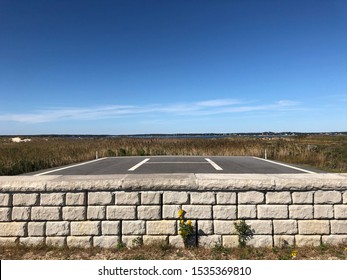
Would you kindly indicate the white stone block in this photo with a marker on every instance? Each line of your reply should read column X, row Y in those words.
column 260, row 227
column 226, row 198
column 209, row 241
column 284, row 240
column 250, row 197
column 161, row 227
column 36, row 228
column 340, row 211
column 334, row 240
column 133, row 227
column 25, row 199
column 105, row 241
column 230, row 241
column 247, row 211
column 278, row 198
column 323, row 211
column 224, row 212
column 56, row 241
column 301, row 212
column 110, row 227
column 338, row 226
column 272, row 211
column 96, row 212
column 5, row 214
column 155, row 240
column 79, row 241
column 57, row 228
column 4, row 199
column 85, row 228
column 32, row 241
column 224, row 227
column 198, row 211
column 74, row 213
column 13, row 229
column 21, row 213
column 121, row 212
column 127, row 198
column 202, row 198
column 205, row 227
column 148, row 212
column 45, row 213
column 260, row 241
column 285, row 227
column 171, row 211
column 52, row 199
column 327, row 197
column 302, row 197
column 307, row 240
column 100, row 198
column 75, row 199
column 175, row 198
column 314, row 227
column 150, row 198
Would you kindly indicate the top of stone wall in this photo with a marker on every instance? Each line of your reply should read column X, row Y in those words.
column 161, row 182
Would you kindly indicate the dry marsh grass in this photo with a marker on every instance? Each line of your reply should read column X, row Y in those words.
column 323, row 152
column 166, row 252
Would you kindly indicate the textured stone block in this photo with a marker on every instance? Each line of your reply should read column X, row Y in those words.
column 13, row 229
column 251, row 197
column 272, row 211
column 52, row 199
column 79, row 241
column 121, row 212
column 327, row 197
column 155, row 240
column 230, row 241
column 171, row 211
column 21, row 213
column 224, row 227
column 176, row 241
column 133, row 227
column 25, row 199
column 32, row 241
column 161, row 227
column 56, row 241
column 301, row 212
column 150, row 198
column 323, row 211
column 5, row 214
column 224, row 212
column 100, row 198
column 226, row 198
column 278, row 198
column 307, row 240
column 198, row 211
column 313, row 227
column 4, row 199
column 74, row 213
column 58, row 228
column 285, row 227
column 175, row 198
column 260, row 227
column 302, row 197
column 45, row 213
column 75, row 199
column 205, row 227
column 202, row 198
column 85, row 228
column 334, row 239
column 340, row 211
column 110, row 228
column 36, row 228
column 148, row 212
column 284, row 240
column 96, row 212
column 105, row 241
column 260, row 241
column 127, row 198
column 8, row 241
column 339, row 227
column 209, row 241
column 247, row 211
column 345, row 197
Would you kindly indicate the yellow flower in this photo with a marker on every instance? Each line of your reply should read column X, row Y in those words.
column 294, row 253
column 346, row 249
column 180, row 213
column 180, row 232
column 189, row 222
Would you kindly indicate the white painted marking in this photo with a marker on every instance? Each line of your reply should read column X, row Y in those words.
column 215, row 165
column 71, row 166
column 180, row 162
column 286, row 165
column 138, row 165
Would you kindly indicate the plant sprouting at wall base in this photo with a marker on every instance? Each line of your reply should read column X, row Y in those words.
column 185, row 227
column 244, row 232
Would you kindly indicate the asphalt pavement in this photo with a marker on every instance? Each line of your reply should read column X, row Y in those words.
column 177, row 164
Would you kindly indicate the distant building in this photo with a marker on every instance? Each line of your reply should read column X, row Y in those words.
column 18, row 140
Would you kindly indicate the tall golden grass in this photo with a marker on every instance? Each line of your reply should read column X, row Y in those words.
column 324, row 152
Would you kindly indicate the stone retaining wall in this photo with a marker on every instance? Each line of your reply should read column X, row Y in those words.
column 307, row 209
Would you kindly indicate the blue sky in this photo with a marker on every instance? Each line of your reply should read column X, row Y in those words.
column 183, row 66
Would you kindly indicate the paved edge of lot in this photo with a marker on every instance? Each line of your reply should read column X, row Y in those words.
column 175, row 182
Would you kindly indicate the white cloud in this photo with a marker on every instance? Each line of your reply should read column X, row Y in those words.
column 201, row 108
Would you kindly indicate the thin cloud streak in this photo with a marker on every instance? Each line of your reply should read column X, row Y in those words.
column 201, row 108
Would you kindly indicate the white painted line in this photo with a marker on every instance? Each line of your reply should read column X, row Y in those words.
column 180, row 162
column 215, row 165
column 71, row 166
column 138, row 165
column 286, row 165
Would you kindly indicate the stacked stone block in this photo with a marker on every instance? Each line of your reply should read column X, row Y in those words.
column 105, row 218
